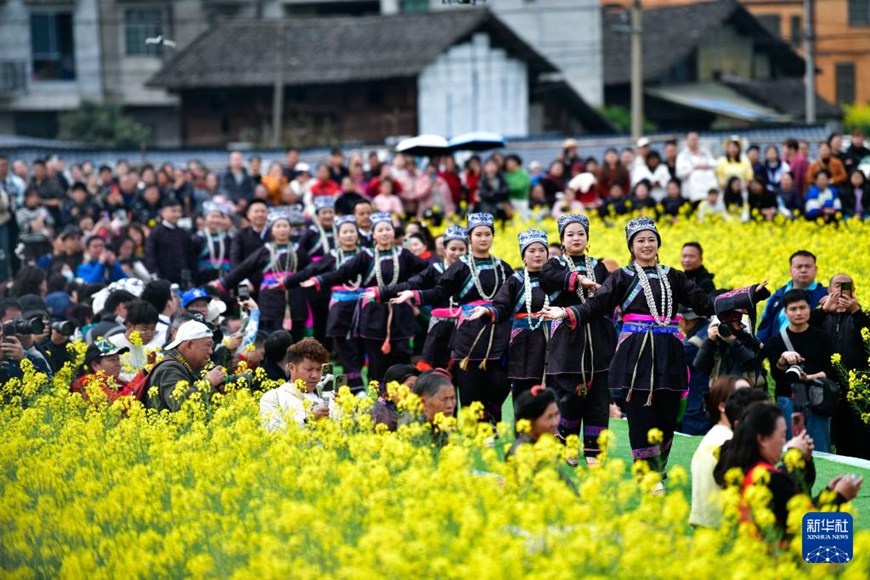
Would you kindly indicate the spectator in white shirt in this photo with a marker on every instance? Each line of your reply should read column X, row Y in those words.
column 300, row 398
column 695, row 168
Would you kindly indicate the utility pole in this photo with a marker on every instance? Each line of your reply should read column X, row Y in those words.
column 278, row 91
column 636, row 71
column 809, row 58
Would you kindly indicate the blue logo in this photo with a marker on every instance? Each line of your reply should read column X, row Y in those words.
column 828, row 537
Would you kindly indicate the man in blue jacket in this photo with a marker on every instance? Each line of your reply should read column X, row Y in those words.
column 802, row 268
column 100, row 264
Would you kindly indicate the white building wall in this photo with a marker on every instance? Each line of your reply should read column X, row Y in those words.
column 57, row 95
column 567, row 32
column 474, row 87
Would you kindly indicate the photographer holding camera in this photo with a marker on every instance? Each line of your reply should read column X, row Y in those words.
column 730, row 350
column 16, row 341
column 800, row 360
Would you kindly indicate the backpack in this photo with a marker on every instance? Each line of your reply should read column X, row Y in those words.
column 138, row 385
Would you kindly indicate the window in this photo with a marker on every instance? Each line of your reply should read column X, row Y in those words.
column 413, row 5
column 845, row 73
column 859, row 12
column 51, row 44
column 139, row 24
column 772, row 23
column 797, row 35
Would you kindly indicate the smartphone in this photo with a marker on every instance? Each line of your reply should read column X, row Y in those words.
column 846, row 288
column 244, row 292
column 340, row 381
column 798, row 424
column 326, row 369
column 176, row 290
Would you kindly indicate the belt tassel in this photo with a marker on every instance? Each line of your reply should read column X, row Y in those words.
column 463, row 364
column 386, row 347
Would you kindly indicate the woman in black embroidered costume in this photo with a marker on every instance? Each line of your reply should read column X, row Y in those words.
column 318, row 240
column 266, row 269
column 342, row 300
column 579, row 359
column 520, row 300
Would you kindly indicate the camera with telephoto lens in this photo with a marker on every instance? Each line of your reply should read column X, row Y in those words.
column 33, row 325
column 64, row 327
column 725, row 330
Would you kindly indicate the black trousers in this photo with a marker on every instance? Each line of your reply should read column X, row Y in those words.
column 298, row 330
column 588, row 408
column 489, row 386
column 849, row 434
column 520, row 386
column 351, row 358
column 661, row 414
column 318, row 302
column 400, row 353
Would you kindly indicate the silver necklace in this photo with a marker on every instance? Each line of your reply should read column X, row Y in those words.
column 340, row 259
column 324, row 241
column 215, row 261
column 394, row 254
column 274, row 257
column 527, row 290
column 590, row 273
column 498, row 267
column 663, row 318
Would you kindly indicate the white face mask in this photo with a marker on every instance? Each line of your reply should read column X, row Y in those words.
column 68, row 274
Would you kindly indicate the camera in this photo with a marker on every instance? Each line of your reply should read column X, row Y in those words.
column 32, row 325
column 724, row 330
column 64, row 327
column 794, row 372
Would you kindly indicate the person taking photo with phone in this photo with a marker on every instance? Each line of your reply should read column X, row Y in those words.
column 842, row 318
column 301, row 398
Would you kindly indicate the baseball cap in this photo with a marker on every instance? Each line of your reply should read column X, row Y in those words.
column 215, row 309
column 193, row 295
column 302, row 167
column 190, row 330
column 642, row 142
column 102, row 348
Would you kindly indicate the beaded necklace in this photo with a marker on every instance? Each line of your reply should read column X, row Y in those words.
column 216, row 261
column 663, row 318
column 324, row 240
column 340, row 258
column 590, row 273
column 394, row 253
column 527, row 290
column 290, row 261
column 499, row 267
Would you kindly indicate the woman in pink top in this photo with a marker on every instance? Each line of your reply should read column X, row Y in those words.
column 386, row 201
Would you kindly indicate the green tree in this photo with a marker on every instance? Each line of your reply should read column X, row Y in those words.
column 857, row 117
column 104, row 124
column 620, row 117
